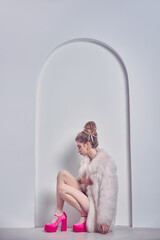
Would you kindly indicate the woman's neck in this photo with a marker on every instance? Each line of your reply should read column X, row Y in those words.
column 92, row 153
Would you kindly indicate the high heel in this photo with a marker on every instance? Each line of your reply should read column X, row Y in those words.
column 52, row 227
column 80, row 227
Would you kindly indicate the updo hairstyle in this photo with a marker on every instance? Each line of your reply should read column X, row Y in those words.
column 89, row 134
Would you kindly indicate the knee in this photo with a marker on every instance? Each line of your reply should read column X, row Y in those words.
column 61, row 174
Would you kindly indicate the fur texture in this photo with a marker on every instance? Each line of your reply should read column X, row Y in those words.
column 103, row 193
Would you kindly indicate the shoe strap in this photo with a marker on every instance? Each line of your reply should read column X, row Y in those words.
column 57, row 215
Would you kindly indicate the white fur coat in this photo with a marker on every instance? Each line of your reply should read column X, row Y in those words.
column 102, row 194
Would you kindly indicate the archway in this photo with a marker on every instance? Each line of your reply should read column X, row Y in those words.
column 81, row 80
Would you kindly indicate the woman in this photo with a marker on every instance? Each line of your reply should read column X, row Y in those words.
column 93, row 193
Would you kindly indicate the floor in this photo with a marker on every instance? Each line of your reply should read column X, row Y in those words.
column 120, row 232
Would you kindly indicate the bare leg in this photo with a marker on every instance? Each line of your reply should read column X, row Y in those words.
column 68, row 190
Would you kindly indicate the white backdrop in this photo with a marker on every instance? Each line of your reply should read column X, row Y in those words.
column 29, row 31
column 80, row 81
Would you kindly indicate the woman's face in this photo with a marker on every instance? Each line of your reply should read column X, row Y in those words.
column 82, row 148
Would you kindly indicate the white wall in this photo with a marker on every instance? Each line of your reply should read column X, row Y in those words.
column 29, row 31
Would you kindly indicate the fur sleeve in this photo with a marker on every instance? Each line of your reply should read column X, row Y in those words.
column 106, row 211
column 83, row 167
column 82, row 171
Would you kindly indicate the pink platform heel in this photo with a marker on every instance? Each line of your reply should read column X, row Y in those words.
column 80, row 227
column 52, row 227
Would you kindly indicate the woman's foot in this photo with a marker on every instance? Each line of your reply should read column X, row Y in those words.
column 52, row 227
column 55, row 218
column 81, row 225
column 82, row 220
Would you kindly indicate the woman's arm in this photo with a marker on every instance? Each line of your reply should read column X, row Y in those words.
column 81, row 179
column 86, row 181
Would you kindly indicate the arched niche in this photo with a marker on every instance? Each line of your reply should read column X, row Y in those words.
column 81, row 80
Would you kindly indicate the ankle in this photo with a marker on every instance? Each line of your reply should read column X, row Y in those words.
column 82, row 220
column 83, row 214
column 59, row 213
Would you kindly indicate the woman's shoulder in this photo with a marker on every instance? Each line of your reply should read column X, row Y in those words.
column 101, row 153
column 106, row 158
column 85, row 160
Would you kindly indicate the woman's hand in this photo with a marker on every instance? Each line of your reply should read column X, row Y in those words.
column 105, row 228
column 86, row 181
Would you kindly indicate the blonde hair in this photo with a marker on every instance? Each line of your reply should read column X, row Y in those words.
column 89, row 134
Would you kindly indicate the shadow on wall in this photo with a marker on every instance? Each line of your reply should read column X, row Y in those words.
column 82, row 80
column 70, row 160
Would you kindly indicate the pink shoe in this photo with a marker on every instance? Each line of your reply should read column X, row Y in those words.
column 52, row 227
column 80, row 227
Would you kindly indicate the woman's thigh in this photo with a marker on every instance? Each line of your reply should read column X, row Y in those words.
column 80, row 197
column 67, row 178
